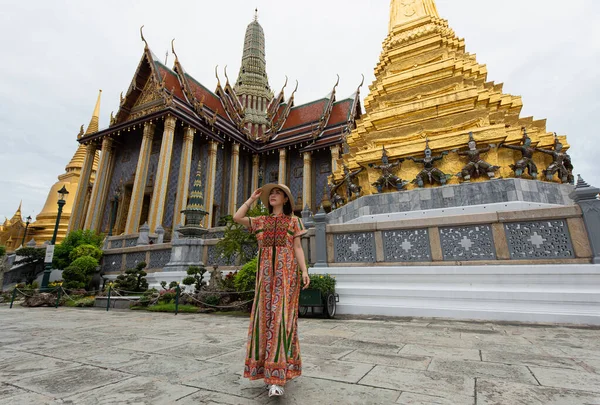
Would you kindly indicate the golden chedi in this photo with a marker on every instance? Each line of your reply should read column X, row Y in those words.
column 428, row 88
column 43, row 227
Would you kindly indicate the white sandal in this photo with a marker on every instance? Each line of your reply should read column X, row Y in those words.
column 275, row 390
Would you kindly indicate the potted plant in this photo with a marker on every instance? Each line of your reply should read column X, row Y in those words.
column 321, row 293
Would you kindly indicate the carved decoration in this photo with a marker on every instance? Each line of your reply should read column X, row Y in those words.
column 411, row 245
column 465, row 243
column 355, row 247
column 539, row 240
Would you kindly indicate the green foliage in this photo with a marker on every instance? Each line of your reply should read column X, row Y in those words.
column 172, row 284
column 134, row 280
column 245, row 279
column 212, row 299
column 86, row 250
column 79, row 273
column 323, row 282
column 81, row 302
column 195, row 277
column 171, row 308
column 2, row 250
column 62, row 252
column 147, row 297
column 237, row 236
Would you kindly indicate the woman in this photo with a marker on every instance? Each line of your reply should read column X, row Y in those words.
column 273, row 351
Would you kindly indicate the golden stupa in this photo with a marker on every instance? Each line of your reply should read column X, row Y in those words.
column 43, row 228
column 427, row 87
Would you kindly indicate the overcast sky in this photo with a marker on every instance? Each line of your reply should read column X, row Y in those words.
column 57, row 54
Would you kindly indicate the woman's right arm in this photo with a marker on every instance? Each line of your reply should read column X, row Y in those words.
column 240, row 216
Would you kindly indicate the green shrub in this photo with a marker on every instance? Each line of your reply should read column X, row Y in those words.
column 134, row 280
column 85, row 250
column 171, row 308
column 245, row 279
column 323, row 282
column 147, row 297
column 195, row 277
column 227, row 282
column 81, row 302
column 2, row 250
column 212, row 299
column 79, row 273
column 62, row 252
column 236, row 237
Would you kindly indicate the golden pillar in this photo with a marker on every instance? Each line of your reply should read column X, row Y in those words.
column 335, row 155
column 282, row 166
column 159, row 194
column 307, row 181
column 235, row 177
column 101, row 186
column 183, row 183
column 139, row 184
column 78, row 213
column 255, row 170
column 211, row 177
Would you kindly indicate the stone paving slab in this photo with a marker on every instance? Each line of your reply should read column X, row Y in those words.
column 80, row 356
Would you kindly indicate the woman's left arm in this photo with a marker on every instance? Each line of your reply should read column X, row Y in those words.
column 299, row 253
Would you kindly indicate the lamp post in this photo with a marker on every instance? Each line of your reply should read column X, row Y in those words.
column 62, row 194
column 27, row 222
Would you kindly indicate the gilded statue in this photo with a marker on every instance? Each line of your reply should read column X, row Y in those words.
column 476, row 166
column 388, row 179
column 429, row 173
column 352, row 189
column 561, row 163
column 526, row 161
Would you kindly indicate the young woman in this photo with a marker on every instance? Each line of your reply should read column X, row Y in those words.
column 273, row 351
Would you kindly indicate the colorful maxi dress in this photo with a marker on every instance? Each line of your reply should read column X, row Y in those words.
column 273, row 350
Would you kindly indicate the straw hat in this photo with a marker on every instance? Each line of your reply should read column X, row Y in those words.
column 266, row 190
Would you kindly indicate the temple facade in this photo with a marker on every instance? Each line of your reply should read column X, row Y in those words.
column 242, row 135
column 439, row 118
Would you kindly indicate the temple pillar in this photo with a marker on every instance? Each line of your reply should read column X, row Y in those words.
column 101, row 185
column 307, row 180
column 78, row 213
column 255, row 170
column 139, row 184
column 335, row 154
column 159, row 194
column 211, row 177
column 183, row 182
column 282, row 166
column 234, row 176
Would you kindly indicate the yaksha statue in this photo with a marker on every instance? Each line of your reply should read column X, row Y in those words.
column 388, row 179
column 335, row 199
column 352, row 189
column 561, row 163
column 476, row 166
column 430, row 173
column 526, row 161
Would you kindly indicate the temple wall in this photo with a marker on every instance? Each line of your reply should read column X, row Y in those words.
column 321, row 170
column 245, row 178
column 271, row 168
column 173, row 179
column 295, row 174
column 127, row 152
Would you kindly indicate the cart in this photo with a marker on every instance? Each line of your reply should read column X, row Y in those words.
column 315, row 298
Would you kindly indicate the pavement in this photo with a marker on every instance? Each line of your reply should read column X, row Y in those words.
column 90, row 356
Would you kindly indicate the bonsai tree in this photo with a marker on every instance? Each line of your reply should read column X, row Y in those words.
column 79, row 273
column 195, row 277
column 63, row 252
column 133, row 280
column 236, row 237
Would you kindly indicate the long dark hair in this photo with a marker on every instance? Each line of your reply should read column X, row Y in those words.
column 287, row 207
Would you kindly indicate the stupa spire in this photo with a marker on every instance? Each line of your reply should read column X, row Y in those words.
column 403, row 11
column 95, row 120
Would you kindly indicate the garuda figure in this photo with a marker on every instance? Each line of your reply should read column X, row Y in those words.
column 526, row 161
column 352, row 189
column 429, row 173
column 476, row 166
column 561, row 163
column 388, row 179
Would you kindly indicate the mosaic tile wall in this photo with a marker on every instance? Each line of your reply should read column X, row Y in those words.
column 295, row 175
column 173, row 179
column 321, row 170
column 271, row 169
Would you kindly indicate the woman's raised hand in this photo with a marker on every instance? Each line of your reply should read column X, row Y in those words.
column 256, row 194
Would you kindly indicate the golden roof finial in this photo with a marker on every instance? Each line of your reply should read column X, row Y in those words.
column 173, row 50
column 143, row 39
column 80, row 134
column 93, row 125
column 217, row 74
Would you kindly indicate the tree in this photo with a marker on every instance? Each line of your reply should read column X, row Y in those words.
column 2, row 251
column 79, row 273
column 33, row 259
column 62, row 252
column 236, row 237
column 85, row 250
column 195, row 276
column 133, row 280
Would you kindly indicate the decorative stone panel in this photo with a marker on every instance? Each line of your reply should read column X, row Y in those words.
column 411, row 245
column 539, row 240
column 464, row 243
column 250, row 251
column 112, row 263
column 215, row 258
column 134, row 258
column 159, row 258
column 354, row 247
column 131, row 242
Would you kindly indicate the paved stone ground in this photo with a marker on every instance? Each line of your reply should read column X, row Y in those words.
column 90, row 356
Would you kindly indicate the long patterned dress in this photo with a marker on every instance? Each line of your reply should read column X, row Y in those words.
column 273, row 350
